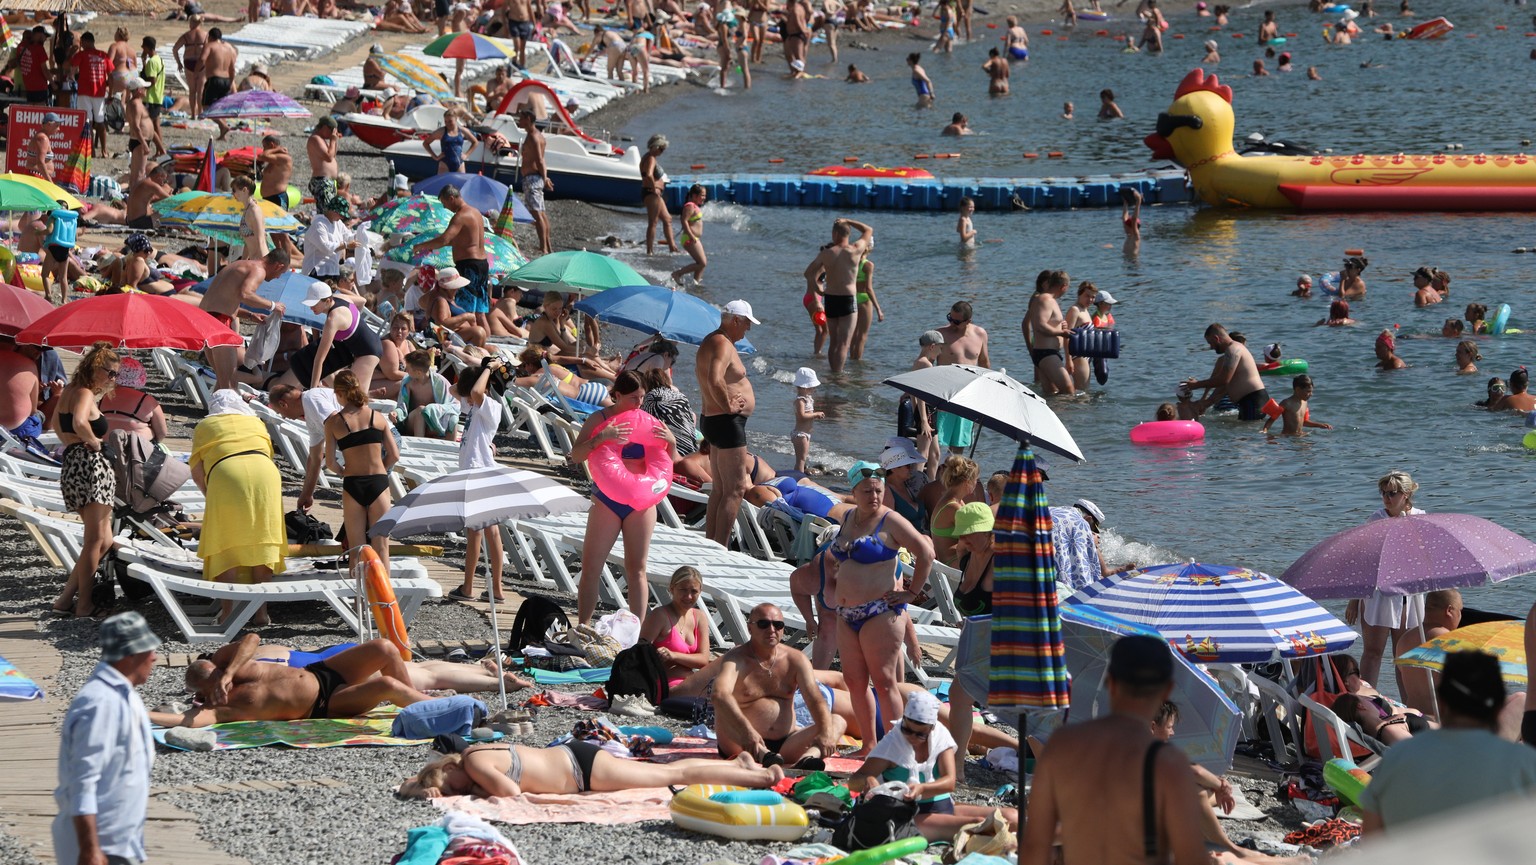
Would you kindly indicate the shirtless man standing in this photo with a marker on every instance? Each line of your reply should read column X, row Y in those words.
column 1089, row 783
column 322, row 160
column 466, row 235
column 964, row 342
column 754, row 698
column 1235, row 376
column 1044, row 331
column 840, row 262
column 233, row 686
column 536, row 182
column 728, row 402
column 188, row 52
column 140, row 129
column 40, row 148
column 236, row 284
column 277, row 170
column 520, row 21
column 219, row 60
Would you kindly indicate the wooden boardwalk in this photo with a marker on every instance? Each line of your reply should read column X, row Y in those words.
column 29, row 763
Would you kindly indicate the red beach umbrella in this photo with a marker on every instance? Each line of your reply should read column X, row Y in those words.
column 128, row 321
column 19, row 308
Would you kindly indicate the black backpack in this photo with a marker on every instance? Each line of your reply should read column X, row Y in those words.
column 537, row 619
column 876, row 820
column 639, row 670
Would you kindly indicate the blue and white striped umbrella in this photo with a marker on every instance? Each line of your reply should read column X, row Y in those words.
column 1220, row 613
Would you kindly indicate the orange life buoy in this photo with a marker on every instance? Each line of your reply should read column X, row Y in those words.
column 382, row 603
column 478, row 90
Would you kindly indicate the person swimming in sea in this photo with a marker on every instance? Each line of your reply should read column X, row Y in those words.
column 1338, row 315
column 1303, row 286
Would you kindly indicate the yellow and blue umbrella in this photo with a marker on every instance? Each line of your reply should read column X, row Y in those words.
column 416, row 74
column 1503, row 640
column 219, row 211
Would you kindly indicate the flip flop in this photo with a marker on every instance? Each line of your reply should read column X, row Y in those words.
column 459, row 595
column 772, row 758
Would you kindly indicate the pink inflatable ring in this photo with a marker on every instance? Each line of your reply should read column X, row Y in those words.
column 639, row 490
column 1168, row 432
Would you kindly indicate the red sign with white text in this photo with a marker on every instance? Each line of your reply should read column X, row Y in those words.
column 23, row 121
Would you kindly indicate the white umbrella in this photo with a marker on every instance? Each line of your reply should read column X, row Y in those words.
column 992, row 399
column 473, row 499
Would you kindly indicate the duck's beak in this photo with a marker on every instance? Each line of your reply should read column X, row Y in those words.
column 1159, row 146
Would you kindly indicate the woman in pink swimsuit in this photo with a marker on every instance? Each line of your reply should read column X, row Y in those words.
column 678, row 630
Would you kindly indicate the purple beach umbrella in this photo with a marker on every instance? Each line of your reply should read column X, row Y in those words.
column 1412, row 554
column 256, row 103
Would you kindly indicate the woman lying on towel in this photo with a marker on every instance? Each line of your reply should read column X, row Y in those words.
column 575, row 767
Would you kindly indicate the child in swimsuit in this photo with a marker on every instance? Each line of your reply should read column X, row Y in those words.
column 920, row 80
column 806, row 414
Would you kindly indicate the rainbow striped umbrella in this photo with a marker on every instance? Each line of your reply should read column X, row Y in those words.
column 257, row 103
column 1029, row 665
column 76, row 176
column 416, row 74
column 502, row 254
column 469, row 46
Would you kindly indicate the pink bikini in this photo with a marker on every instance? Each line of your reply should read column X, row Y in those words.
column 674, row 642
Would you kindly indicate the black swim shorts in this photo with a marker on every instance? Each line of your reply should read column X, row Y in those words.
column 59, row 253
column 330, row 682
column 839, row 305
column 1251, row 407
column 724, row 431
column 1039, row 354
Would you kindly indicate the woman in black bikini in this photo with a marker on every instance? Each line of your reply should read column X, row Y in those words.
column 363, row 437
column 86, row 480
column 575, row 767
column 652, row 180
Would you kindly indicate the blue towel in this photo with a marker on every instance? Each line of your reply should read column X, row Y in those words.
column 424, row 845
column 571, row 677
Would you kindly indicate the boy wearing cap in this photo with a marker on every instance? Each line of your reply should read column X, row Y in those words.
column 806, row 414
column 106, row 752
column 1092, row 783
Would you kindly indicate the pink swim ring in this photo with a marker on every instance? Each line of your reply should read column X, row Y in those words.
column 639, row 490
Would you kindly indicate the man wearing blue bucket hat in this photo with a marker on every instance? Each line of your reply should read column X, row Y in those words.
column 106, row 752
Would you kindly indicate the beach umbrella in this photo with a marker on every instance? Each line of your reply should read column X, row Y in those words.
column 20, row 307
column 654, row 309
column 16, row 687
column 1220, row 613
column 1028, row 661
column 469, row 46
column 576, row 270
column 52, row 190
column 1503, row 640
column 992, row 399
column 471, row 499
column 129, row 320
column 219, row 210
column 1209, row 723
column 482, row 193
column 256, row 103
column 416, row 74
column 15, row 195
column 501, row 253
column 1412, row 554
column 418, row 214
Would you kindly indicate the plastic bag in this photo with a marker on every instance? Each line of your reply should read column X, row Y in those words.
column 623, row 626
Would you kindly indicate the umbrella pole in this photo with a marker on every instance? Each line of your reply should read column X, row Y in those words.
column 497, row 653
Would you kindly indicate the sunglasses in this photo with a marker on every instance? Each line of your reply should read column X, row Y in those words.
column 861, row 474
column 112, row 371
column 913, row 734
column 765, row 624
column 1167, row 123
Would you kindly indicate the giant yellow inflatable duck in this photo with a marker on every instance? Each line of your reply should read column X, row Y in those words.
column 1196, row 132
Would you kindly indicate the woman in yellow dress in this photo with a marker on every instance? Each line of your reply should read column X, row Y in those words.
column 243, row 539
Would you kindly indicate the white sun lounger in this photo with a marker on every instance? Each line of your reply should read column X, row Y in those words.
column 306, row 38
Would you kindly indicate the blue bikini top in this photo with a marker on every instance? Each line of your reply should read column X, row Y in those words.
column 632, row 451
column 865, row 550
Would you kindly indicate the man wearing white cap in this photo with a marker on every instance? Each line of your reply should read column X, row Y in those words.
column 141, row 131
column 438, row 304
column 106, row 752
column 402, row 186
column 728, row 402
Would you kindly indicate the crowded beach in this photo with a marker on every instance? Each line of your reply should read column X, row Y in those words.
column 383, row 479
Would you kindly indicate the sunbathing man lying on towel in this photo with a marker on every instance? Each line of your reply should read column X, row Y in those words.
column 232, row 686
column 424, row 675
column 575, row 767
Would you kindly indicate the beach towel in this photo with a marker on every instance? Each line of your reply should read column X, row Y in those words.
column 16, row 687
column 585, row 676
column 371, row 730
column 608, row 809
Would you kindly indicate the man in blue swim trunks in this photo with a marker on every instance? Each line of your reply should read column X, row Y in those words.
column 465, row 234
column 1235, row 376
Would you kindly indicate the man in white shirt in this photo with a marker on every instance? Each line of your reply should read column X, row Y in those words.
column 328, row 240
column 312, row 406
column 106, row 753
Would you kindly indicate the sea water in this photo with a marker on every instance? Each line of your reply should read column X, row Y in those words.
column 1241, row 497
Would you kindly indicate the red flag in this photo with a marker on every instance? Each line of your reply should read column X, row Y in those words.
column 205, row 174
